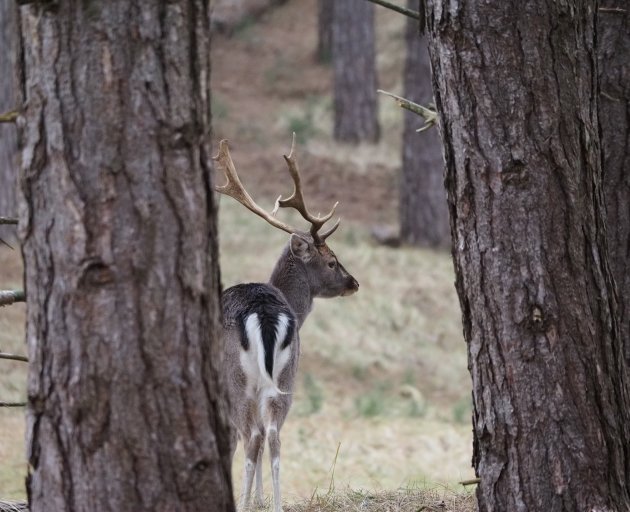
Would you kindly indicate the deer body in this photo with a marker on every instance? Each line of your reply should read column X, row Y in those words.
column 261, row 324
column 262, row 349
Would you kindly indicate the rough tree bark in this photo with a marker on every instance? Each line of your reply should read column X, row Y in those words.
column 423, row 212
column 354, row 70
column 9, row 100
column 516, row 88
column 614, row 113
column 324, row 30
column 118, row 225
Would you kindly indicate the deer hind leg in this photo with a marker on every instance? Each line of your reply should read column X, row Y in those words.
column 275, row 415
column 252, row 448
column 258, row 496
column 273, row 437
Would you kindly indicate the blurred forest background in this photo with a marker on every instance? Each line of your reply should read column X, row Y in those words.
column 383, row 377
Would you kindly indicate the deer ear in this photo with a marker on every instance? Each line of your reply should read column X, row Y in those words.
column 300, row 248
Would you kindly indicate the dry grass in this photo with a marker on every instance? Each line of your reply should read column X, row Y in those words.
column 403, row 500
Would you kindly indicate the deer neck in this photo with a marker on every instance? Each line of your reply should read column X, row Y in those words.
column 291, row 278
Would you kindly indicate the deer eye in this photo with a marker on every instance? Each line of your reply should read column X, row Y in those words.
column 332, row 264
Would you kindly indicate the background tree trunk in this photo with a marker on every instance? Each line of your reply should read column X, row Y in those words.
column 9, row 100
column 230, row 15
column 118, row 224
column 423, row 213
column 324, row 30
column 355, row 84
column 516, row 90
column 614, row 109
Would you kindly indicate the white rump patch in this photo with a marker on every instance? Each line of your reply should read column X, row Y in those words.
column 254, row 334
column 253, row 360
column 281, row 356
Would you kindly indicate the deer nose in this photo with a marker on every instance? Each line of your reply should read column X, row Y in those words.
column 352, row 286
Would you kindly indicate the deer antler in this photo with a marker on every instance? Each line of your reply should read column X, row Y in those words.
column 296, row 201
column 235, row 189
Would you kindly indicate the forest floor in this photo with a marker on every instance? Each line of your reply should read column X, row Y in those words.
column 383, row 399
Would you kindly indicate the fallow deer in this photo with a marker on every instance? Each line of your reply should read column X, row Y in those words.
column 261, row 324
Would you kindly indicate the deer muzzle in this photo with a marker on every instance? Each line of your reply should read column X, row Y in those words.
column 351, row 287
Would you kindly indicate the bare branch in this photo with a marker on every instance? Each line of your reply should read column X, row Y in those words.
column 13, row 357
column 472, row 481
column 6, row 243
column 6, row 221
column 430, row 116
column 12, row 404
column 614, row 10
column 402, row 10
column 9, row 117
column 8, row 297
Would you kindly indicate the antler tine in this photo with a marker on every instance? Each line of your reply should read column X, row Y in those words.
column 296, row 200
column 323, row 236
column 235, row 189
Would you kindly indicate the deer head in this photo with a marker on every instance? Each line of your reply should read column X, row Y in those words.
column 326, row 275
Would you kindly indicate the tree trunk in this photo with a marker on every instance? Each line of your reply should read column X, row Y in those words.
column 516, row 89
column 614, row 113
column 356, row 108
column 118, row 225
column 230, row 15
column 324, row 30
column 9, row 101
column 423, row 213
